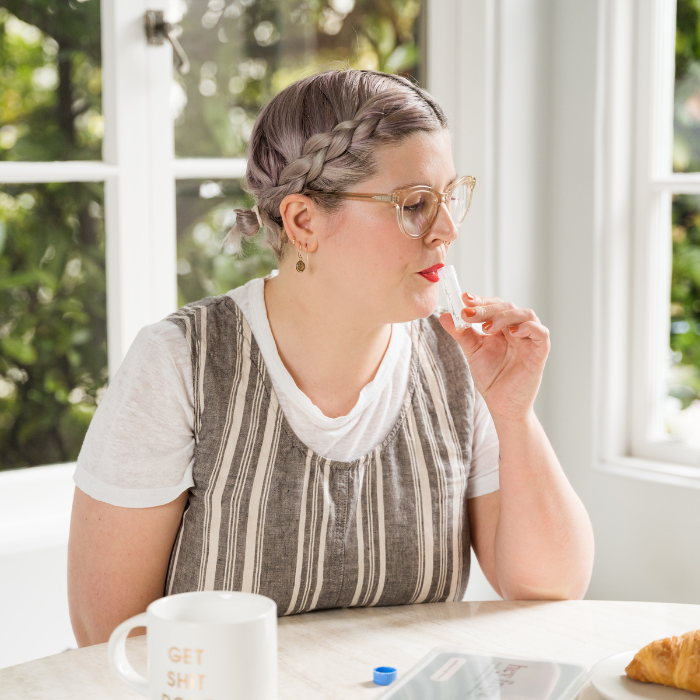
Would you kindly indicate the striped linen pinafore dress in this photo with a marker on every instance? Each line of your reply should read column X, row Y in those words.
column 268, row 515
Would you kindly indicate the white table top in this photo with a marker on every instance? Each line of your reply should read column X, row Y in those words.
column 331, row 654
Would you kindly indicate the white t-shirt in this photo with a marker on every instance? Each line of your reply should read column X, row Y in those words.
column 139, row 448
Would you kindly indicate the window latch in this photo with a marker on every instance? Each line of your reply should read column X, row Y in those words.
column 158, row 30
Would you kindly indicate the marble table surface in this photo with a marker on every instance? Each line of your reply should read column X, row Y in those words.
column 330, row 654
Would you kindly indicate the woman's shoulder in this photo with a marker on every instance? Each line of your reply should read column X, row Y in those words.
column 192, row 307
column 159, row 352
column 169, row 336
column 213, row 316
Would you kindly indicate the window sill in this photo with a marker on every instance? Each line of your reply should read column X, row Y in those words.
column 35, row 507
column 647, row 470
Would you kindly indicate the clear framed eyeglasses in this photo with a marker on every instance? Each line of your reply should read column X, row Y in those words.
column 417, row 207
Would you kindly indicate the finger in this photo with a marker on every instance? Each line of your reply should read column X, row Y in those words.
column 470, row 300
column 469, row 339
column 533, row 330
column 511, row 317
column 480, row 314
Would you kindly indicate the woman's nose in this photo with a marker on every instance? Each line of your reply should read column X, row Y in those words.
column 443, row 227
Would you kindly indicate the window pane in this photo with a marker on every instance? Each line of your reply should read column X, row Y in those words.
column 50, row 80
column 683, row 403
column 53, row 351
column 243, row 52
column 204, row 216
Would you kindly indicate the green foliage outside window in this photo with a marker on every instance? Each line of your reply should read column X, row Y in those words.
column 53, row 353
column 53, row 347
column 685, row 281
column 685, row 299
column 244, row 52
column 50, row 80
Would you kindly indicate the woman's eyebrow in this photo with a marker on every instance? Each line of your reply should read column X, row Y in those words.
column 415, row 184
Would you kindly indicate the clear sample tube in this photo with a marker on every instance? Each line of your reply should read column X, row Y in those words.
column 450, row 285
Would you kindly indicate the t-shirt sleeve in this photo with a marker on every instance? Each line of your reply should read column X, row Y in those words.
column 139, row 448
column 483, row 477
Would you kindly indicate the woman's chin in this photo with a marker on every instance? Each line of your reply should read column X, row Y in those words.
column 427, row 309
column 420, row 306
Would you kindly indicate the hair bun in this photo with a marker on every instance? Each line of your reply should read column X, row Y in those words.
column 246, row 225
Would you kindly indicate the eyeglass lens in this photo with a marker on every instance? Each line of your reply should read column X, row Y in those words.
column 420, row 208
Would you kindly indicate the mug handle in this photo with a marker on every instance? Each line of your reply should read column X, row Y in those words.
column 116, row 652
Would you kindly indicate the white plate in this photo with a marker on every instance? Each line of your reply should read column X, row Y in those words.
column 610, row 680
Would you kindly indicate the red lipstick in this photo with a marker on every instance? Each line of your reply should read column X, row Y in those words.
column 430, row 273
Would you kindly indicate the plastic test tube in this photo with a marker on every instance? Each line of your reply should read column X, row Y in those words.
column 450, row 285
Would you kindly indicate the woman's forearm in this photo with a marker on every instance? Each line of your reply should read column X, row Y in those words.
column 544, row 539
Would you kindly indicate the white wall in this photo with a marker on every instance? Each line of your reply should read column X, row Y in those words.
column 521, row 152
column 34, row 618
column 34, row 521
column 646, row 533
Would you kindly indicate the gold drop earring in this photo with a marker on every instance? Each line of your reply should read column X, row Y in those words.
column 301, row 266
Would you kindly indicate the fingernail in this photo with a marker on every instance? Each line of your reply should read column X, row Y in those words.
column 469, row 296
column 469, row 312
column 487, row 325
column 512, row 329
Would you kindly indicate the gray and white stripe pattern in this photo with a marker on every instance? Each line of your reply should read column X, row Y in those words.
column 268, row 515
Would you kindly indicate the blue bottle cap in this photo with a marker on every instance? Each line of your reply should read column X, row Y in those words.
column 383, row 675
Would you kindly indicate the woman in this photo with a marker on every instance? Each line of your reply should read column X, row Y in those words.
column 322, row 436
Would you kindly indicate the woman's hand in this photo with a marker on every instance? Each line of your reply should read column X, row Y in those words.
column 507, row 360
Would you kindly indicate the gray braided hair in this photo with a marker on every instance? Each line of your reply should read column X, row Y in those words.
column 319, row 135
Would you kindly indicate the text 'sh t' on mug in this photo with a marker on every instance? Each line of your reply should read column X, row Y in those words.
column 203, row 645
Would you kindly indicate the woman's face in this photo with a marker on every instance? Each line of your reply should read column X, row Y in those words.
column 362, row 253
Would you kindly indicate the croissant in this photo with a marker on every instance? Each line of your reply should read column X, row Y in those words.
column 674, row 661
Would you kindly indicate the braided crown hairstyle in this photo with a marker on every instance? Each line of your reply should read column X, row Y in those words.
column 319, row 135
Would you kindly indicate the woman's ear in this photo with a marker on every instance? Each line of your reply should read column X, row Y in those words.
column 300, row 216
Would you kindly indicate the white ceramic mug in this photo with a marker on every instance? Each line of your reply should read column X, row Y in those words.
column 203, row 645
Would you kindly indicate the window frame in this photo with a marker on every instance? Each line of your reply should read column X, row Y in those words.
column 635, row 183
